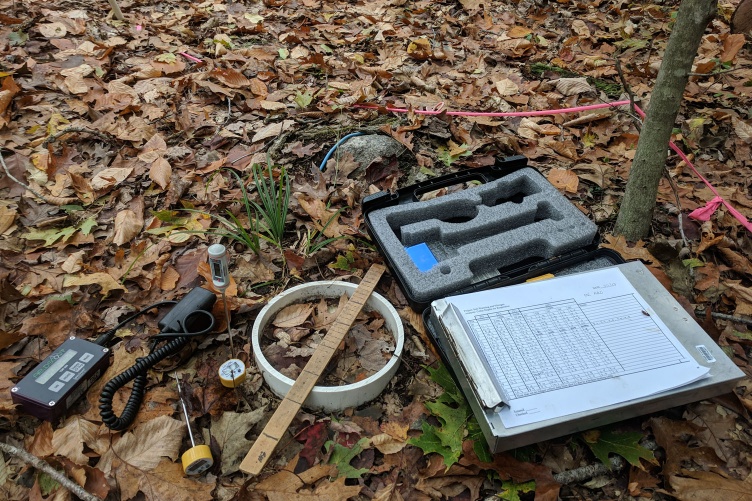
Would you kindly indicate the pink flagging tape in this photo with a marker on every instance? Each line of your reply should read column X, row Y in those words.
column 701, row 214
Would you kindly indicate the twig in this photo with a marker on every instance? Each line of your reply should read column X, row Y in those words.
column 27, row 24
column 589, row 471
column 674, row 188
column 49, row 470
column 719, row 72
column 7, row 173
column 101, row 135
column 628, row 90
column 723, row 316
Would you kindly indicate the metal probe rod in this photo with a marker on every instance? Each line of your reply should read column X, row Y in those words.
column 185, row 411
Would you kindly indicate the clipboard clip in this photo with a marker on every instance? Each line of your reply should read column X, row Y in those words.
column 475, row 370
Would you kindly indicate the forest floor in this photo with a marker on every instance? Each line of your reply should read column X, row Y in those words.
column 129, row 147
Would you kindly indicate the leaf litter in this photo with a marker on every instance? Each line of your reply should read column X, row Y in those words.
column 297, row 329
column 116, row 122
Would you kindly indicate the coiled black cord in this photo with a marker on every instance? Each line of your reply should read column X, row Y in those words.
column 137, row 374
column 202, row 320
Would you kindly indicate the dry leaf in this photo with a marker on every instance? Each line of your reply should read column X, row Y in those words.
column 506, row 87
column 743, row 129
column 564, row 179
column 519, row 32
column 146, row 445
column 573, row 86
column 154, row 148
column 110, row 177
column 420, row 49
column 258, row 88
column 8, row 90
column 128, row 225
column 707, row 486
column 165, row 482
column 69, row 440
column 169, row 279
column 731, row 47
column 580, row 28
column 104, row 280
column 229, row 431
column 387, row 444
column 160, row 172
column 619, row 244
column 230, row 77
column 40, row 444
column 53, row 30
column 7, row 217
column 293, row 315
column 272, row 130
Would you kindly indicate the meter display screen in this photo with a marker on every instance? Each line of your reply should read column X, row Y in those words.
column 52, row 365
column 217, row 269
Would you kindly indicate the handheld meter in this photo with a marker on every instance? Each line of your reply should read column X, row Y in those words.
column 52, row 388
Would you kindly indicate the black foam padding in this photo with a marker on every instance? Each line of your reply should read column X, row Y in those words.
column 476, row 232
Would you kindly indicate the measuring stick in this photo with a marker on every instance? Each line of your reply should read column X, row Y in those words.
column 265, row 444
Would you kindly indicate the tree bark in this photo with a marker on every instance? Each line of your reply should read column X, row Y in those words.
column 636, row 211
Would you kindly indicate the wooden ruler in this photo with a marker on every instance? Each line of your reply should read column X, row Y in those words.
column 265, row 444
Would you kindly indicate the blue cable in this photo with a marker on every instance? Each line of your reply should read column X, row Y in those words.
column 328, row 155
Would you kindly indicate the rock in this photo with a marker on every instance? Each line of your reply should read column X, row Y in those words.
column 368, row 147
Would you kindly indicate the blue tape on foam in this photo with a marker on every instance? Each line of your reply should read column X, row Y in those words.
column 421, row 256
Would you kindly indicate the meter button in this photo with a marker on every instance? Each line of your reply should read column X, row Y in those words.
column 56, row 386
column 67, row 376
column 77, row 366
column 86, row 357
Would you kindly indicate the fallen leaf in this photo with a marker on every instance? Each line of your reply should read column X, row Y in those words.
column 104, row 280
column 229, row 431
column 573, row 86
column 146, row 445
column 506, row 87
column 731, row 46
column 69, row 440
column 604, row 443
column 8, row 91
column 54, row 30
column 128, row 225
column 564, row 179
column 110, row 177
column 619, row 244
column 707, row 486
column 271, row 130
column 40, row 444
column 160, row 172
column 7, row 215
column 420, row 49
column 293, row 315
column 166, row 481
column 743, row 129
column 169, row 279
column 387, row 444
column 230, row 77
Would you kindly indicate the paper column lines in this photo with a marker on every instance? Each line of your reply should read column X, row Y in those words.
column 542, row 349
column 487, row 350
column 625, row 328
column 558, row 329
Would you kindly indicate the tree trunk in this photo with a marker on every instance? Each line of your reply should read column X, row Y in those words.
column 636, row 211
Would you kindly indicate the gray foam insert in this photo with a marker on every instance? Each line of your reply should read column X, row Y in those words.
column 475, row 232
